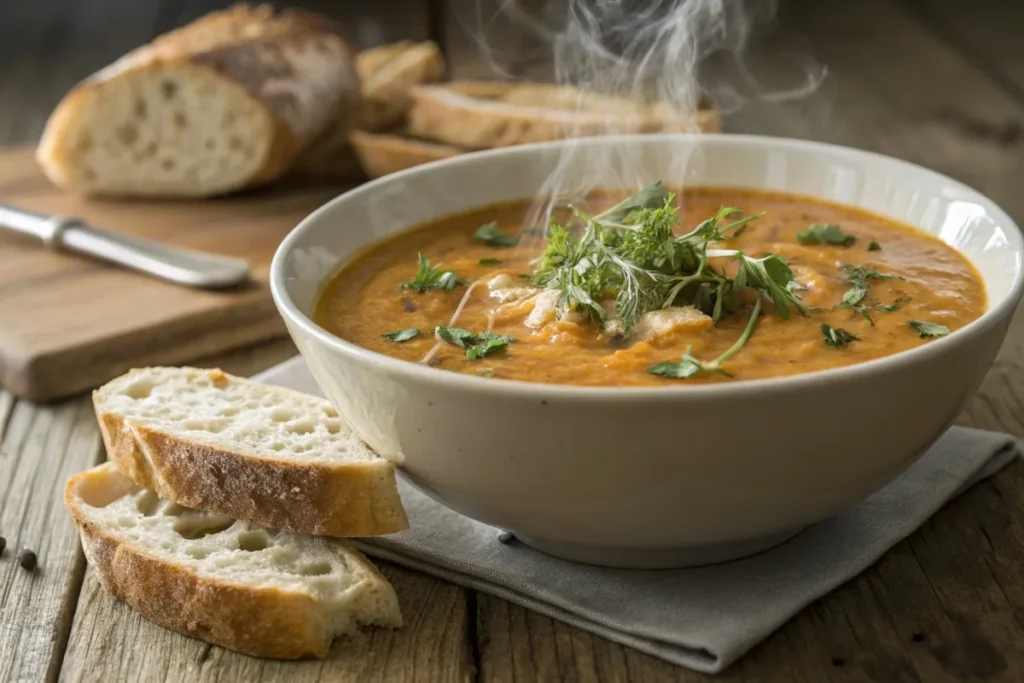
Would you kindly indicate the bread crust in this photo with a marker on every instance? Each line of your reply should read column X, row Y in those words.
column 380, row 154
column 296, row 67
column 324, row 499
column 472, row 115
column 256, row 620
column 386, row 74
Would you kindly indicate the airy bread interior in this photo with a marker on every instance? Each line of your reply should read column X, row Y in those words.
column 233, row 414
column 218, row 548
column 167, row 129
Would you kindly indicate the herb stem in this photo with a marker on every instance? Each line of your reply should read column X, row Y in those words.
column 741, row 342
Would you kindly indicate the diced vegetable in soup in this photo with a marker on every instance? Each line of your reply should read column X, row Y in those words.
column 712, row 285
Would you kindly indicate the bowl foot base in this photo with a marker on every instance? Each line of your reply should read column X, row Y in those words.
column 657, row 558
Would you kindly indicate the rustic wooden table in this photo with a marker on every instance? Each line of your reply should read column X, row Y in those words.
column 938, row 82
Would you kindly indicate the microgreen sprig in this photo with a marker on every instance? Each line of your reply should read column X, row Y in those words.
column 432, row 277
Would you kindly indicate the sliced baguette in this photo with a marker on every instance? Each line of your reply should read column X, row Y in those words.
column 380, row 154
column 276, row 457
column 480, row 115
column 226, row 102
column 386, row 73
column 231, row 583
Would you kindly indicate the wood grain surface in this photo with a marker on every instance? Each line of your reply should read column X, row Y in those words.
column 932, row 81
column 71, row 323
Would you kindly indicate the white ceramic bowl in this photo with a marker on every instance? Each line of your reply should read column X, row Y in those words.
column 666, row 476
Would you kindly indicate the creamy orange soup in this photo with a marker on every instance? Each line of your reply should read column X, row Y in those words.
column 921, row 289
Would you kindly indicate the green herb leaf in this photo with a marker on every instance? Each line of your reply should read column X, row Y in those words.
column 402, row 336
column 490, row 262
column 893, row 306
column 432, row 277
column 928, row 330
column 491, row 235
column 687, row 367
column 771, row 276
column 874, row 246
column 859, row 275
column 858, row 278
column 477, row 344
column 651, row 197
column 837, row 337
column 853, row 296
column 822, row 233
column 489, row 346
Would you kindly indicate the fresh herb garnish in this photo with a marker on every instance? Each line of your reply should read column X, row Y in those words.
column 491, row 235
column 689, row 366
column 402, row 336
column 825, row 233
column 889, row 308
column 644, row 266
column 432, row 277
column 477, row 344
column 490, row 262
column 837, row 337
column 928, row 330
column 651, row 197
column 858, row 278
column 874, row 246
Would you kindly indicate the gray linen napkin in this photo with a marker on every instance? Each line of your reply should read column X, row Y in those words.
column 702, row 618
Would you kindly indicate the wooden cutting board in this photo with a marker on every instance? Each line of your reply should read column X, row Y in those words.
column 69, row 323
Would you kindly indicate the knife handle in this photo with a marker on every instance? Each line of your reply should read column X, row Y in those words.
column 192, row 268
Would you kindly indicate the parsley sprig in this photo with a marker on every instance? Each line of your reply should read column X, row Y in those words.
column 432, row 277
column 928, row 330
column 858, row 278
column 837, row 337
column 477, row 344
column 491, row 235
column 822, row 233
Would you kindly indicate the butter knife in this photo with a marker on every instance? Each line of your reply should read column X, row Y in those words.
column 181, row 266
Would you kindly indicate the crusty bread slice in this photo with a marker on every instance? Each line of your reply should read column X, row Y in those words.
column 269, row 455
column 480, row 115
column 382, row 153
column 386, row 73
column 226, row 102
column 231, row 583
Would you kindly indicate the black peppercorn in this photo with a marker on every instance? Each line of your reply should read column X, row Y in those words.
column 3, row 544
column 27, row 559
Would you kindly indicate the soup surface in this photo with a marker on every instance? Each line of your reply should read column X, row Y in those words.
column 855, row 287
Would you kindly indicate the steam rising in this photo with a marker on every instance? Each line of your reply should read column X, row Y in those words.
column 637, row 66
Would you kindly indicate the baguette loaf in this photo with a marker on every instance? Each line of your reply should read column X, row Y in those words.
column 226, row 102
column 231, row 583
column 480, row 115
column 276, row 457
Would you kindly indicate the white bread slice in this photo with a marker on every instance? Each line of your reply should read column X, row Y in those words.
column 226, row 102
column 382, row 153
column 480, row 115
column 231, row 583
column 273, row 456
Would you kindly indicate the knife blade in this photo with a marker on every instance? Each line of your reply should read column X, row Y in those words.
column 181, row 266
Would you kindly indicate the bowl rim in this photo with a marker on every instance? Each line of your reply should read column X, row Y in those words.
column 674, row 392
